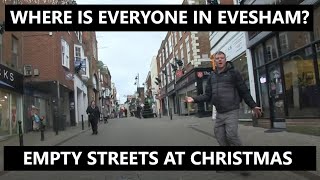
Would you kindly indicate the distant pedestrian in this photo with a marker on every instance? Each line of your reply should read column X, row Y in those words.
column 94, row 115
column 154, row 110
column 225, row 89
column 35, row 119
column 125, row 112
column 105, row 114
column 139, row 108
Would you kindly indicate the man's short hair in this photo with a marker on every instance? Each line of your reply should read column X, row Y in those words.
column 220, row 52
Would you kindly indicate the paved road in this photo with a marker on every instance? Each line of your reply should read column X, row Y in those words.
column 140, row 132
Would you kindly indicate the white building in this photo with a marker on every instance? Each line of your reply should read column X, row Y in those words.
column 154, row 87
column 80, row 89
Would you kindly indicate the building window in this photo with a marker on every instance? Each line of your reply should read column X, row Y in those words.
column 178, row 36
column 14, row 54
column 168, row 48
column 258, row 55
column 271, row 48
column 165, row 53
column 188, row 49
column 77, row 53
column 79, row 36
column 176, row 54
column 65, row 55
column 172, row 72
column 174, row 39
column 290, row 41
column 170, row 44
column 182, row 53
column 0, row 47
column 300, row 80
column 316, row 23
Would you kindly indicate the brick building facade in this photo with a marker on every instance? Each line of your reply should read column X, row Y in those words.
column 11, row 79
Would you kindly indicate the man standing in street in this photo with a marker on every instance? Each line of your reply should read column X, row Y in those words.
column 94, row 115
column 225, row 89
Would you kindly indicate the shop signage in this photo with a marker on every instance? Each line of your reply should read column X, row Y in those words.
column 236, row 46
column 185, row 81
column 10, row 79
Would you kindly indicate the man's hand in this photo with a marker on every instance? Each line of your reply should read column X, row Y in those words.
column 257, row 112
column 189, row 99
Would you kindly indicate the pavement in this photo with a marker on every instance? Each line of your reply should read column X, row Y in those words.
column 181, row 131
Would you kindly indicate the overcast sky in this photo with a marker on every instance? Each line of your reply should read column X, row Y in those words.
column 128, row 53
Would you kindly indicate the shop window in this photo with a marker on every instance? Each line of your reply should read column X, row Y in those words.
column 263, row 92
column 4, row 114
column 14, row 52
column 290, row 41
column 301, row 94
column 271, row 49
column 316, row 23
column 241, row 65
column 192, row 107
column 318, row 55
column 259, row 55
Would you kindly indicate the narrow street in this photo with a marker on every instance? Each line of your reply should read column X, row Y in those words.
column 181, row 131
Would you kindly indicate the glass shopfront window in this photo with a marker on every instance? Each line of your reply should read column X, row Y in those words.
column 272, row 49
column 4, row 113
column 192, row 107
column 290, row 41
column 241, row 65
column 316, row 23
column 301, row 94
column 259, row 55
column 318, row 55
column 263, row 92
column 9, row 112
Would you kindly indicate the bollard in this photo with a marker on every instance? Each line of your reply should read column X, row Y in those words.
column 20, row 134
column 170, row 111
column 159, row 113
column 42, row 130
column 82, row 122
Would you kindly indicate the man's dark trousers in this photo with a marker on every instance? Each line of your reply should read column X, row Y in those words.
column 94, row 125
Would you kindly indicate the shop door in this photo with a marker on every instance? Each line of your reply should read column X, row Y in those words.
column 276, row 96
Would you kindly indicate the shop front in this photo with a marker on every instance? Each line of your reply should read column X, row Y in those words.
column 287, row 70
column 11, row 90
column 186, row 87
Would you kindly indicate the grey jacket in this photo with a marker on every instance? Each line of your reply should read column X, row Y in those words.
column 225, row 90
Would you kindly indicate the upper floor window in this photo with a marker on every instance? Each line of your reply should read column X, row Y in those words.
column 79, row 36
column 65, row 54
column 14, row 52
